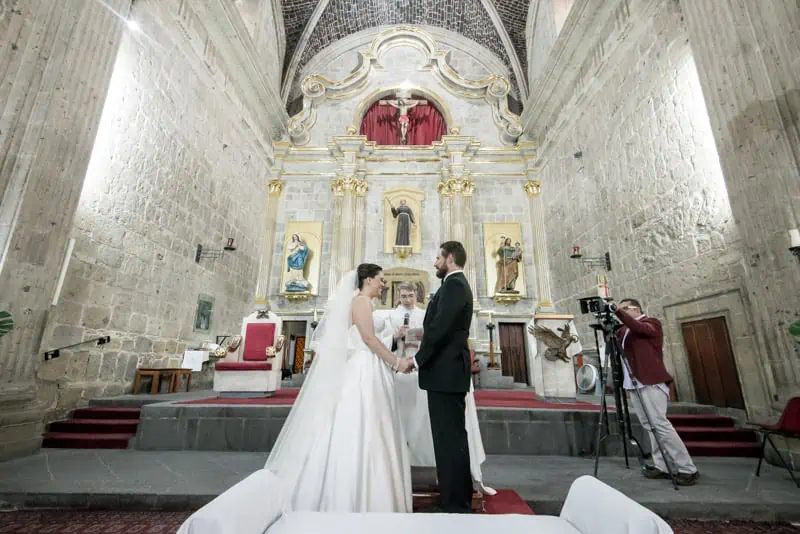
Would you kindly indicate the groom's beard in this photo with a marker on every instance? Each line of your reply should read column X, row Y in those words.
column 441, row 273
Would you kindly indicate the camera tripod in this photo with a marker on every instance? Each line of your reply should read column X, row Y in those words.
column 615, row 361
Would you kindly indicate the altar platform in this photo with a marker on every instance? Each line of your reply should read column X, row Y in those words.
column 516, row 422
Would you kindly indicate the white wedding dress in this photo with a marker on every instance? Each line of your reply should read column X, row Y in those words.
column 342, row 448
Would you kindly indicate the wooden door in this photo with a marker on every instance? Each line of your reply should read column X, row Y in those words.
column 716, row 380
column 512, row 347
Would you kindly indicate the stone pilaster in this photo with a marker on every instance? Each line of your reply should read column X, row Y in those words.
column 56, row 77
column 456, row 188
column 273, row 204
column 533, row 188
column 349, row 189
column 348, row 193
column 746, row 58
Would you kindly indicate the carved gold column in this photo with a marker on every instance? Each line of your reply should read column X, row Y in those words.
column 348, row 192
column 456, row 196
column 349, row 188
column 533, row 188
column 455, row 193
column 333, row 270
column 360, row 191
column 265, row 268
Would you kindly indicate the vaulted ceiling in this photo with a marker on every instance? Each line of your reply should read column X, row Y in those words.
column 498, row 25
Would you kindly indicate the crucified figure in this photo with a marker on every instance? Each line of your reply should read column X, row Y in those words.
column 403, row 105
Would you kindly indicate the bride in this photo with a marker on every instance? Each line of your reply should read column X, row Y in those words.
column 342, row 448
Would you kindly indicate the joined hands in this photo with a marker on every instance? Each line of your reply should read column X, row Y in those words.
column 405, row 365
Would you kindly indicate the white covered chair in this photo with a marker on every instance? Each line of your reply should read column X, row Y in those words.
column 252, row 370
column 259, row 505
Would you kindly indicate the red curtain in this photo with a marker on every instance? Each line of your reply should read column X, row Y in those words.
column 380, row 125
column 425, row 125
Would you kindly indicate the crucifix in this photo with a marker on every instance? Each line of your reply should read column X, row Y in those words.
column 403, row 104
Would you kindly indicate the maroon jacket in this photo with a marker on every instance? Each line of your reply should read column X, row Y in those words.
column 644, row 349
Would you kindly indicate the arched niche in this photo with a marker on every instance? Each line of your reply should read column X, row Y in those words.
column 428, row 118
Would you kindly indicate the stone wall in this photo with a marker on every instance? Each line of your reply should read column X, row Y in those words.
column 172, row 168
column 56, row 59
column 637, row 174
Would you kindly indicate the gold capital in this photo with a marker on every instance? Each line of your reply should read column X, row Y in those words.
column 533, row 188
column 276, row 187
column 341, row 184
column 463, row 185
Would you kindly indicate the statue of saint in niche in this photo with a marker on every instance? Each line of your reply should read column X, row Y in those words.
column 508, row 258
column 295, row 265
column 405, row 218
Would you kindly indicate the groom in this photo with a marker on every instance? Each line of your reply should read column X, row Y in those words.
column 444, row 372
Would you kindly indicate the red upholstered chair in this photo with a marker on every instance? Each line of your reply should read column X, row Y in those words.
column 250, row 371
column 789, row 427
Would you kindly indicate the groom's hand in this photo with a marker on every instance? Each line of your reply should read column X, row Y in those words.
column 404, row 365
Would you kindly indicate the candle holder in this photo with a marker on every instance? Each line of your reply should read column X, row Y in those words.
column 492, row 362
column 602, row 261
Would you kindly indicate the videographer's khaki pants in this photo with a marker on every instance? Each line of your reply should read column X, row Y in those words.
column 655, row 400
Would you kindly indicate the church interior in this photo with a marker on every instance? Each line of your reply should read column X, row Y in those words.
column 185, row 182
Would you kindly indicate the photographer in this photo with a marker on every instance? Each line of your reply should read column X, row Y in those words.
column 642, row 341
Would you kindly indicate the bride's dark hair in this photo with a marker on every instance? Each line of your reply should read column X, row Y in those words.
column 367, row 270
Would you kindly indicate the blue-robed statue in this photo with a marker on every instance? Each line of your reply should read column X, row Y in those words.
column 295, row 265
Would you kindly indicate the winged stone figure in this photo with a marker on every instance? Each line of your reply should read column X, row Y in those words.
column 556, row 345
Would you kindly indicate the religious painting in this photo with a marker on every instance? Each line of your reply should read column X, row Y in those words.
column 300, row 264
column 402, row 209
column 403, row 119
column 390, row 294
column 504, row 255
column 202, row 316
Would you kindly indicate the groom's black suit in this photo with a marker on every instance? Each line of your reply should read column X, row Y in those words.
column 444, row 372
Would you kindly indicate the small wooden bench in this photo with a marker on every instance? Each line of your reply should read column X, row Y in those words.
column 174, row 374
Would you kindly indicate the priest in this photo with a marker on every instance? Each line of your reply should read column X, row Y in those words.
column 406, row 321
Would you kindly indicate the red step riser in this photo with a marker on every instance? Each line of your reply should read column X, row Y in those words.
column 83, row 444
column 106, row 413
column 100, row 427
column 701, row 420
column 724, row 435
column 728, row 453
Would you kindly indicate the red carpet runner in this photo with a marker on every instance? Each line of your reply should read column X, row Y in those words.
column 484, row 398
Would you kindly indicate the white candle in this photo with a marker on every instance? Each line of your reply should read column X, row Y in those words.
column 315, row 314
column 794, row 237
column 490, row 317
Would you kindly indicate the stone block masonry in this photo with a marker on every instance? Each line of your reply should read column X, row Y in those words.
column 57, row 59
column 172, row 167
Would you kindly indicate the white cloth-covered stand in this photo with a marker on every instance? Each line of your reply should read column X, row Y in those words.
column 591, row 507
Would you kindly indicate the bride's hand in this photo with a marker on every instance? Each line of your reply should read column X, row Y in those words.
column 404, row 365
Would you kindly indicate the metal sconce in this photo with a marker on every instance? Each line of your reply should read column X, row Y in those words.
column 602, row 261
column 213, row 253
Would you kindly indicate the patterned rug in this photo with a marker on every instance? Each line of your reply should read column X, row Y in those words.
column 64, row 522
